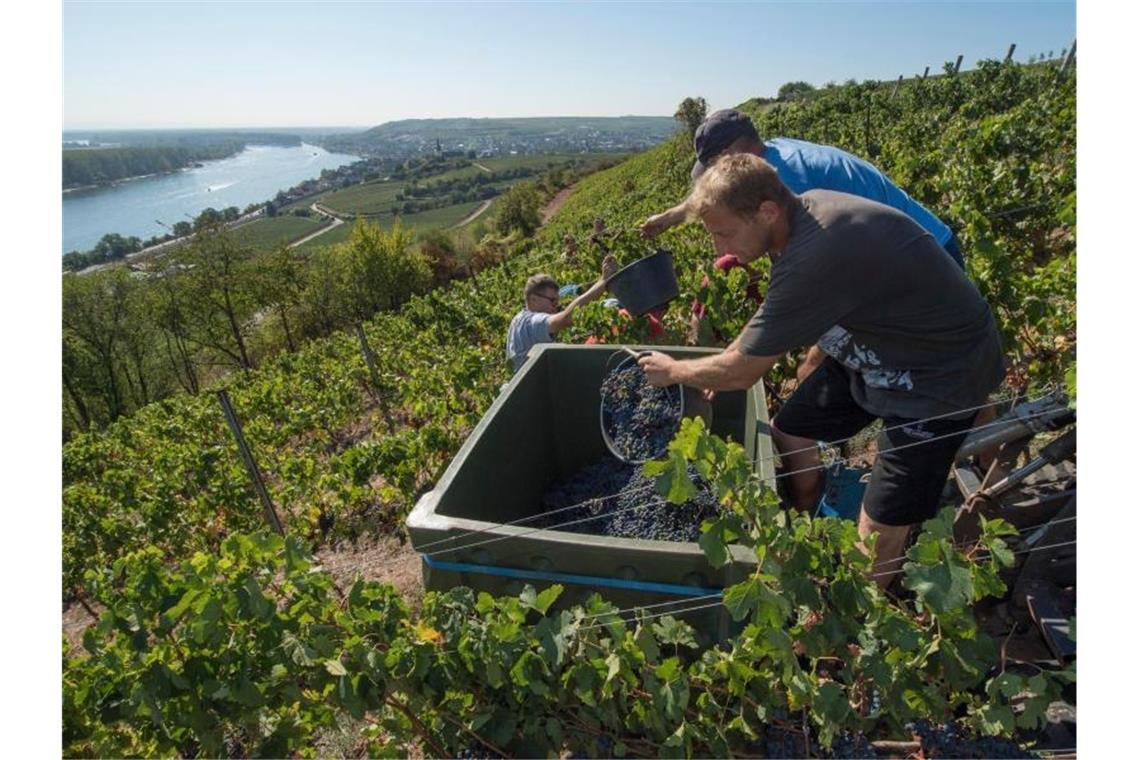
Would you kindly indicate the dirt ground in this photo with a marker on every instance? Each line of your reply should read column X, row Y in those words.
column 382, row 559
column 557, row 202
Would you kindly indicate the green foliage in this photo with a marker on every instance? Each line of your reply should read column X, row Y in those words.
column 90, row 166
column 253, row 650
column 518, row 210
column 380, row 270
column 794, row 90
column 691, row 112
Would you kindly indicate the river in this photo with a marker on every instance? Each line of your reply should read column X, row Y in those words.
column 136, row 207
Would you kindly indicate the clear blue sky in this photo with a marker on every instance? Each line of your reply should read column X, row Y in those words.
column 161, row 64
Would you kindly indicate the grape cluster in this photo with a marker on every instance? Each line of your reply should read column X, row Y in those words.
column 476, row 752
column 639, row 418
column 635, row 511
column 953, row 740
column 850, row 744
column 783, row 743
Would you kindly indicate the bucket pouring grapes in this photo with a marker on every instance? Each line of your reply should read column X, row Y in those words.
column 638, row 420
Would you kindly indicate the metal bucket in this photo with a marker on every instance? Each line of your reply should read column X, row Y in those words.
column 602, row 417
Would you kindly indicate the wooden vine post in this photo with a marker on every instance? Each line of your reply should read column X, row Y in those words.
column 925, row 72
column 250, row 465
column 1009, row 55
column 898, row 84
column 958, row 65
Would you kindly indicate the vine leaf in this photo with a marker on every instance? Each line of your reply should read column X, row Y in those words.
column 942, row 587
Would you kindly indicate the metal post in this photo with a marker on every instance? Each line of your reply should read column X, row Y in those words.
column 1068, row 62
column 377, row 385
column 250, row 464
column 1009, row 55
column 369, row 357
column 958, row 64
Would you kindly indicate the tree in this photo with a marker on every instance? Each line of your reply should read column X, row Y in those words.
column 219, row 294
column 94, row 313
column 380, row 269
column 438, row 250
column 231, row 213
column 209, row 217
column 169, row 309
column 115, row 246
column 518, row 210
column 691, row 112
column 182, row 229
column 280, row 282
column 794, row 90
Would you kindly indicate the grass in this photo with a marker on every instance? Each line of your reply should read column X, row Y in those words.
column 264, row 234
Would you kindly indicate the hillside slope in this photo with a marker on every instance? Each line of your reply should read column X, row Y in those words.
column 257, row 652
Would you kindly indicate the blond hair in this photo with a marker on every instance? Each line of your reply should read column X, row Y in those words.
column 739, row 182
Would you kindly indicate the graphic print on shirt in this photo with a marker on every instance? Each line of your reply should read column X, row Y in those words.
column 840, row 345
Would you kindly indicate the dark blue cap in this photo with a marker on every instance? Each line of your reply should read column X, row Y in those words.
column 721, row 129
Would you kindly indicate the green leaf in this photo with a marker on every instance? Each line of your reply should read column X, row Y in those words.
column 714, row 543
column 530, row 672
column 298, row 651
column 647, row 643
column 548, row 597
column 613, row 667
column 831, row 702
column 997, row 720
column 674, row 483
column 743, row 598
column 335, row 667
column 944, row 587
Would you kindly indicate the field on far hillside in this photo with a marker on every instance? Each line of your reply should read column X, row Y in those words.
column 263, row 234
column 436, row 218
column 377, row 198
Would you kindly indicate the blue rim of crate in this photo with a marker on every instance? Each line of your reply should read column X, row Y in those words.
column 581, row 580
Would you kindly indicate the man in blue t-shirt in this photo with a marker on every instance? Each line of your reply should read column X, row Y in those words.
column 802, row 166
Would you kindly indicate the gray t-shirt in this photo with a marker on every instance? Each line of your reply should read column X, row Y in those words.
column 878, row 293
column 527, row 328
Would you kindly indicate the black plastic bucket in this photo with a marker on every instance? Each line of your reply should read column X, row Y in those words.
column 646, row 283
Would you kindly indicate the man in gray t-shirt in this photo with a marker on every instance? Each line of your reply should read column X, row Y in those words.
column 908, row 337
column 542, row 318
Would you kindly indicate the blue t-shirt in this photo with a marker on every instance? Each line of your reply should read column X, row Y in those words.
column 807, row 166
column 527, row 328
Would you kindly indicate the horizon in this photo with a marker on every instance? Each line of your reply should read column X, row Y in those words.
column 240, row 65
column 349, row 126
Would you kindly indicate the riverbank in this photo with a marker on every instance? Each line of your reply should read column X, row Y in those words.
column 116, row 182
column 150, row 206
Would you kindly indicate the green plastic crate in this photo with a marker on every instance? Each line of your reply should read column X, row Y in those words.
column 544, row 427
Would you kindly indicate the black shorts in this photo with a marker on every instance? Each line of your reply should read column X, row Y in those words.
column 914, row 455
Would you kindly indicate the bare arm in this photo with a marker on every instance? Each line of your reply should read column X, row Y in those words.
column 658, row 223
column 729, row 370
column 811, row 362
column 564, row 318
